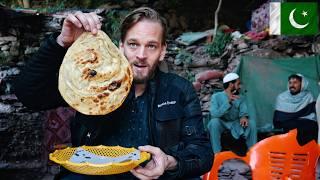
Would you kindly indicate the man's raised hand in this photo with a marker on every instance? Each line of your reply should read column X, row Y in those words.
column 75, row 24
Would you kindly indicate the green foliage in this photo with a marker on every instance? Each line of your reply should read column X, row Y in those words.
column 173, row 3
column 217, row 47
column 58, row 6
column 190, row 76
column 3, row 59
column 112, row 24
column 50, row 6
column 10, row 3
column 184, row 56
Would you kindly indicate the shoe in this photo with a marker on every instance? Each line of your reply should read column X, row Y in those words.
column 239, row 146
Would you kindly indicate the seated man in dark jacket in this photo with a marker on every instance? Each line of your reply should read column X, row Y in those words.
column 295, row 108
column 161, row 114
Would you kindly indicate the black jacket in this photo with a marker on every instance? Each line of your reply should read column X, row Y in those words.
column 175, row 119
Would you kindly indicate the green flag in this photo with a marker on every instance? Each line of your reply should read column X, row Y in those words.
column 295, row 18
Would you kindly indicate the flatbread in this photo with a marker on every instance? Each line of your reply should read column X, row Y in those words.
column 94, row 77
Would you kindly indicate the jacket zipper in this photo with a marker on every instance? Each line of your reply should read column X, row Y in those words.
column 152, row 124
column 151, row 132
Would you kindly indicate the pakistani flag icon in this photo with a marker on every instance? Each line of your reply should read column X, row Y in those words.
column 293, row 18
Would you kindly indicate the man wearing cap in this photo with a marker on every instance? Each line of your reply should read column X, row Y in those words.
column 295, row 108
column 229, row 112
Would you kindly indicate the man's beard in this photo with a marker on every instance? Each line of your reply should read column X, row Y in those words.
column 292, row 92
column 235, row 91
column 140, row 79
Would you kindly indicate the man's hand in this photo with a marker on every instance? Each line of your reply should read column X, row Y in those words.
column 233, row 97
column 244, row 121
column 159, row 163
column 75, row 24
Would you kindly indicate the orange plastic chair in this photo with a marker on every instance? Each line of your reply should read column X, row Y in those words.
column 276, row 157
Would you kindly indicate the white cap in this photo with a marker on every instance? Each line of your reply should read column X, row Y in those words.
column 230, row 77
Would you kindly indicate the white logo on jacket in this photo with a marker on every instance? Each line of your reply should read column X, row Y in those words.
column 167, row 103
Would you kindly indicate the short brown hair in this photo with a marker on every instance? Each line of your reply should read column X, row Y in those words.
column 139, row 14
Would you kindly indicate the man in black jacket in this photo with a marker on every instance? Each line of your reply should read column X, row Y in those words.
column 161, row 114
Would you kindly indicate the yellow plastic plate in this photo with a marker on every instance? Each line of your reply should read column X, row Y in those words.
column 63, row 156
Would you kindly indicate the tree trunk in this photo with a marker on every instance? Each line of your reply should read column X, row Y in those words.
column 26, row 3
column 216, row 20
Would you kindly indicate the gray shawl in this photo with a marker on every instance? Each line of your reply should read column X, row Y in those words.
column 286, row 102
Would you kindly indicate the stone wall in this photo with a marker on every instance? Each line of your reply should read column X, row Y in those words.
column 22, row 154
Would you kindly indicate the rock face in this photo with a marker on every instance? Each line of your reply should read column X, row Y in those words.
column 22, row 147
column 22, row 131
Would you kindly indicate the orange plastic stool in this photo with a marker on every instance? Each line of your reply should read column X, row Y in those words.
column 276, row 157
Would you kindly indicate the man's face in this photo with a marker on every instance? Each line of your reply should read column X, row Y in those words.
column 143, row 48
column 294, row 86
column 236, row 87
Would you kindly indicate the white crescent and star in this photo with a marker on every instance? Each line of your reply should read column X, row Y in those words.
column 294, row 23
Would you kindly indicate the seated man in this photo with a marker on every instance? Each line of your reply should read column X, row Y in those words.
column 295, row 108
column 229, row 112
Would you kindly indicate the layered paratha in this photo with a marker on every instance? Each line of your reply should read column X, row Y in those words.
column 94, row 77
